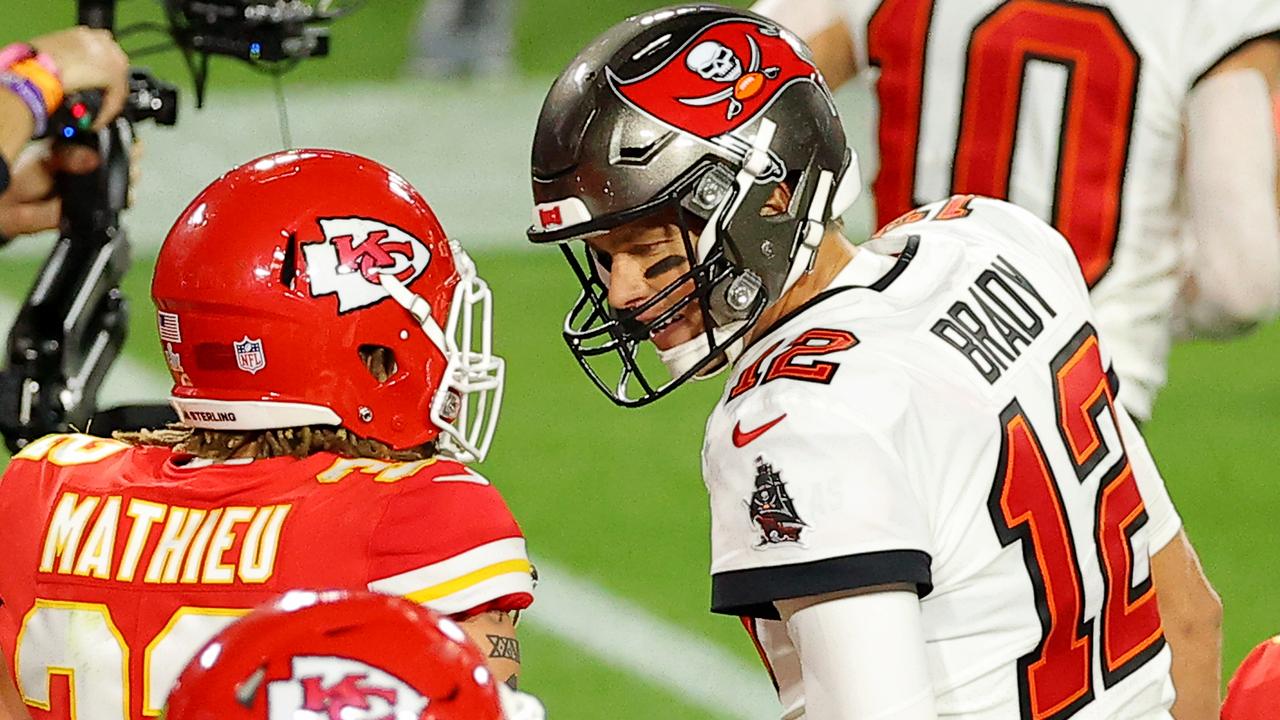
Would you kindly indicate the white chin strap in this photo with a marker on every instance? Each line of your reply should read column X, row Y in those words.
column 683, row 357
column 465, row 407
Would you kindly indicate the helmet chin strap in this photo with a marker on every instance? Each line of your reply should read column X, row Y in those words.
column 681, row 358
column 419, row 308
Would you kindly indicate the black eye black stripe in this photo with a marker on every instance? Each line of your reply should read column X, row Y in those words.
column 665, row 265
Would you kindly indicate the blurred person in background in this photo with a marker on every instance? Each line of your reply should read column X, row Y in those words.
column 1141, row 130
column 328, row 398
column 925, row 501
column 345, row 655
column 464, row 38
column 34, row 78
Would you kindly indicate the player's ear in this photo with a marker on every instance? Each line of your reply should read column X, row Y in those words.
column 778, row 201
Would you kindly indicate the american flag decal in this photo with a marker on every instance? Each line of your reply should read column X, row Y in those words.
column 170, row 331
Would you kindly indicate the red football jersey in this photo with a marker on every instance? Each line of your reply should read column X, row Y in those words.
column 119, row 563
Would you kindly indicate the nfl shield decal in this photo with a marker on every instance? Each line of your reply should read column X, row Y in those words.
column 354, row 255
column 720, row 79
column 773, row 512
column 249, row 355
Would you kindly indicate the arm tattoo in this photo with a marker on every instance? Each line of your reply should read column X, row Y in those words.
column 507, row 648
column 663, row 266
column 513, row 682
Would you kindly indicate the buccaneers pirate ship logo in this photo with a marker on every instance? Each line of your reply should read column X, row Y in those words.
column 772, row 509
column 720, row 79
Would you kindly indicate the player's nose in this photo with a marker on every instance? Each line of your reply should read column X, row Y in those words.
column 628, row 287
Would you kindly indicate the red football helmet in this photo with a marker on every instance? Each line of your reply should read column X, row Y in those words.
column 337, row 654
column 280, row 276
column 1254, row 690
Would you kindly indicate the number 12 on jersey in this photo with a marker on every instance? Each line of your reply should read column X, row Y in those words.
column 1026, row 504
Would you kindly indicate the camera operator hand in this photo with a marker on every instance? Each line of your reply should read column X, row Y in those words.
column 90, row 59
column 34, row 78
column 31, row 203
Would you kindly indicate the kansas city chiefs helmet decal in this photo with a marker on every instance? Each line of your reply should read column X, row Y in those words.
column 353, row 256
column 334, row 688
column 720, row 79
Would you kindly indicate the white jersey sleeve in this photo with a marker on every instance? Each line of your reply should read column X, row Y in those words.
column 805, row 18
column 808, row 18
column 1233, row 232
column 812, row 498
column 1220, row 27
column 1163, row 521
column 863, row 657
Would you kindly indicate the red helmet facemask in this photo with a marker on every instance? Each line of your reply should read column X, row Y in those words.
column 338, row 654
column 282, row 276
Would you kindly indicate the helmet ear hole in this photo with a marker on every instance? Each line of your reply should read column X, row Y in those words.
column 787, row 190
column 289, row 265
column 379, row 360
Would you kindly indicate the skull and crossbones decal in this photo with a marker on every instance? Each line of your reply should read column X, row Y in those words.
column 721, row 78
column 714, row 61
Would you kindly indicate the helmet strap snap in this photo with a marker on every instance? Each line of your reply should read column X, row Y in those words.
column 812, row 230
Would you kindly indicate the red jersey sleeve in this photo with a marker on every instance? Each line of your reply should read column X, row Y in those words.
column 448, row 541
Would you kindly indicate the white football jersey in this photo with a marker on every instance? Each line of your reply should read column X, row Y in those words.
column 1073, row 110
column 942, row 416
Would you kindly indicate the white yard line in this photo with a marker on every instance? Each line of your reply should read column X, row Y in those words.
column 630, row 638
column 610, row 628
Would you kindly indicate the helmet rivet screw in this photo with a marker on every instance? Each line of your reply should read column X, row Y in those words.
column 742, row 291
column 710, row 190
column 366, row 415
column 404, row 334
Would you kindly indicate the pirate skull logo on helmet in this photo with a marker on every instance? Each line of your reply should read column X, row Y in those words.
column 714, row 61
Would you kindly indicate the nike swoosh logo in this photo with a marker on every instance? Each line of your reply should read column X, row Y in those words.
column 742, row 439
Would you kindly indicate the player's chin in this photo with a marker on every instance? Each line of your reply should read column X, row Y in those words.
column 683, row 327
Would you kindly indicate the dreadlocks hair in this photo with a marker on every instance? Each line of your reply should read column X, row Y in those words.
column 296, row 442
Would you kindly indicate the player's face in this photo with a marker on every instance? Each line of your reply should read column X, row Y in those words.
column 641, row 260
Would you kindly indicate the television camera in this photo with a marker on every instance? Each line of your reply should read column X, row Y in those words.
column 73, row 323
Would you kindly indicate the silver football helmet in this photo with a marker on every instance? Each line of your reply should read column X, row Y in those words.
column 702, row 110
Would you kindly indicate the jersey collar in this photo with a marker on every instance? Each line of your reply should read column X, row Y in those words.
column 868, row 270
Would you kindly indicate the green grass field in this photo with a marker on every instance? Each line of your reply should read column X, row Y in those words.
column 616, row 496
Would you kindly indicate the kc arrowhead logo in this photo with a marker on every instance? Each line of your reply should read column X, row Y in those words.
column 334, row 688
column 354, row 255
